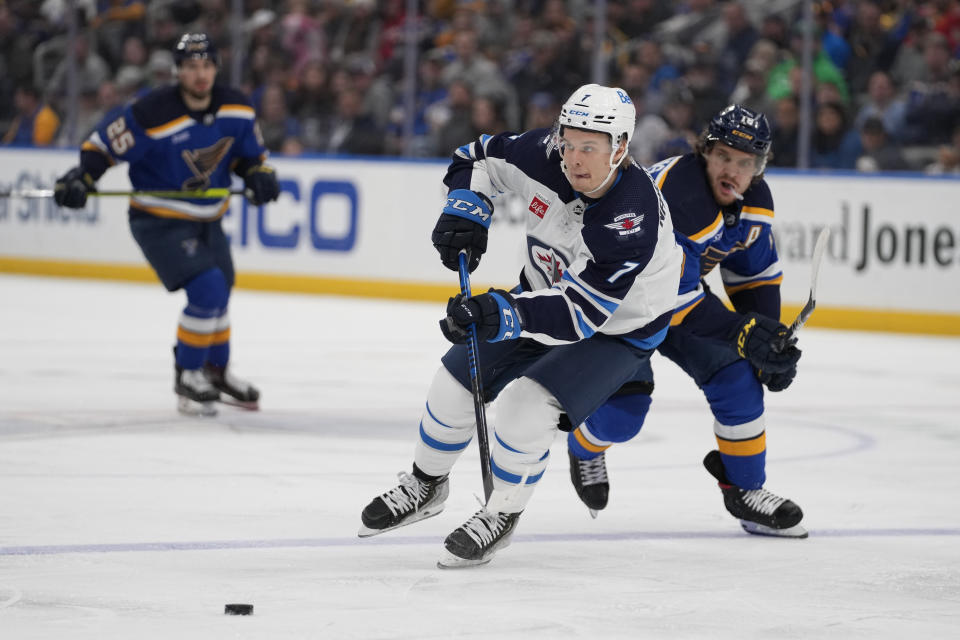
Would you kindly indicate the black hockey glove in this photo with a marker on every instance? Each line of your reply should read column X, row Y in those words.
column 463, row 225
column 763, row 341
column 72, row 188
column 260, row 185
column 494, row 313
column 777, row 381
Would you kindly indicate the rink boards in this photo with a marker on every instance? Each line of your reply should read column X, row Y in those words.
column 362, row 227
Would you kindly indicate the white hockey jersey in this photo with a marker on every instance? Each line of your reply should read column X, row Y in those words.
column 609, row 265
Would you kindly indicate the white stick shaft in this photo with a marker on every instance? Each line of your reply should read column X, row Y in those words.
column 818, row 248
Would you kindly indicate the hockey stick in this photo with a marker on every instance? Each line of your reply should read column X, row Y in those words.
column 804, row 315
column 48, row 193
column 473, row 348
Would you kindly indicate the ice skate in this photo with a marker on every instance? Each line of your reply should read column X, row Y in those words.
column 195, row 394
column 410, row 501
column 233, row 390
column 477, row 540
column 589, row 478
column 760, row 511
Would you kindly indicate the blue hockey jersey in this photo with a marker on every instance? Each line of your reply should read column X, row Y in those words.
column 743, row 247
column 169, row 147
column 607, row 265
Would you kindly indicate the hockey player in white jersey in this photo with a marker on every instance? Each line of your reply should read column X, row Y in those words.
column 594, row 300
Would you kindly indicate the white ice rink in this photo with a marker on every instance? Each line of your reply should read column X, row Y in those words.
column 121, row 519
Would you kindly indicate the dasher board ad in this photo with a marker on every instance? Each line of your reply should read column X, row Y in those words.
column 894, row 243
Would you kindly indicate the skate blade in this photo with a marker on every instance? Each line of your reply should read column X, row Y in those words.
column 450, row 561
column 189, row 407
column 367, row 532
column 593, row 513
column 230, row 401
column 795, row 531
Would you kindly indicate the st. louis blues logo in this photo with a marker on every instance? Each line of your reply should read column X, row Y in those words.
column 203, row 162
column 626, row 223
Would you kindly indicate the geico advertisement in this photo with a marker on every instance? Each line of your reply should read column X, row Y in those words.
column 895, row 242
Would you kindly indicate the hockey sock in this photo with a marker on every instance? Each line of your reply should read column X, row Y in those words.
column 206, row 300
column 736, row 400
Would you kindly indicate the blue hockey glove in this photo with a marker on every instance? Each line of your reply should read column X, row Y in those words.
column 72, row 188
column 462, row 225
column 260, row 185
column 763, row 341
column 494, row 313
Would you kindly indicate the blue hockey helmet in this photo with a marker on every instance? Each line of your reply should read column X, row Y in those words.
column 740, row 128
column 198, row 46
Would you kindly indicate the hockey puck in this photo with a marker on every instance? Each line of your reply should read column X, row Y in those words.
column 238, row 609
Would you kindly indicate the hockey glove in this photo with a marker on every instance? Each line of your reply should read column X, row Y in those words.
column 763, row 341
column 494, row 313
column 260, row 185
column 462, row 225
column 777, row 381
column 72, row 188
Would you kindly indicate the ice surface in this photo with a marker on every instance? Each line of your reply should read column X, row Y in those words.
column 121, row 519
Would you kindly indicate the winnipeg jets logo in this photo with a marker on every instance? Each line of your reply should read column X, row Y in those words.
column 203, row 162
column 626, row 224
column 548, row 263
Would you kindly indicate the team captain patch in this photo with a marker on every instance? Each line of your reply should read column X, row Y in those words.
column 537, row 206
column 626, row 224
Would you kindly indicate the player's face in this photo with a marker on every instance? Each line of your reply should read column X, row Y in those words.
column 587, row 156
column 729, row 170
column 197, row 76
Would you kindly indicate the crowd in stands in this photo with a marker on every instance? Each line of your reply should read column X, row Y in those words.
column 326, row 76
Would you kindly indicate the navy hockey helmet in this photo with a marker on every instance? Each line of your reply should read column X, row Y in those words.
column 198, row 46
column 740, row 128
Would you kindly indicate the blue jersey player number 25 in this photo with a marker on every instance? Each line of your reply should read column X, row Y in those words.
column 190, row 137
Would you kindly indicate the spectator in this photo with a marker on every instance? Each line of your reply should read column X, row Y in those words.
column 159, row 69
column 91, row 70
column 834, row 145
column 313, row 103
column 486, row 116
column 678, row 133
column 35, row 123
column 542, row 111
column 882, row 102
column 276, row 123
column 871, row 47
column 430, row 98
column 709, row 98
column 642, row 17
column 351, row 130
column 948, row 157
column 739, row 39
column 483, row 77
column 933, row 100
column 544, row 71
column 455, row 128
column 784, row 141
column 879, row 152
column 783, row 79
column 751, row 89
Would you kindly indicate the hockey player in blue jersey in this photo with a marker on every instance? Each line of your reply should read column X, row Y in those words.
column 595, row 298
column 723, row 213
column 185, row 137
